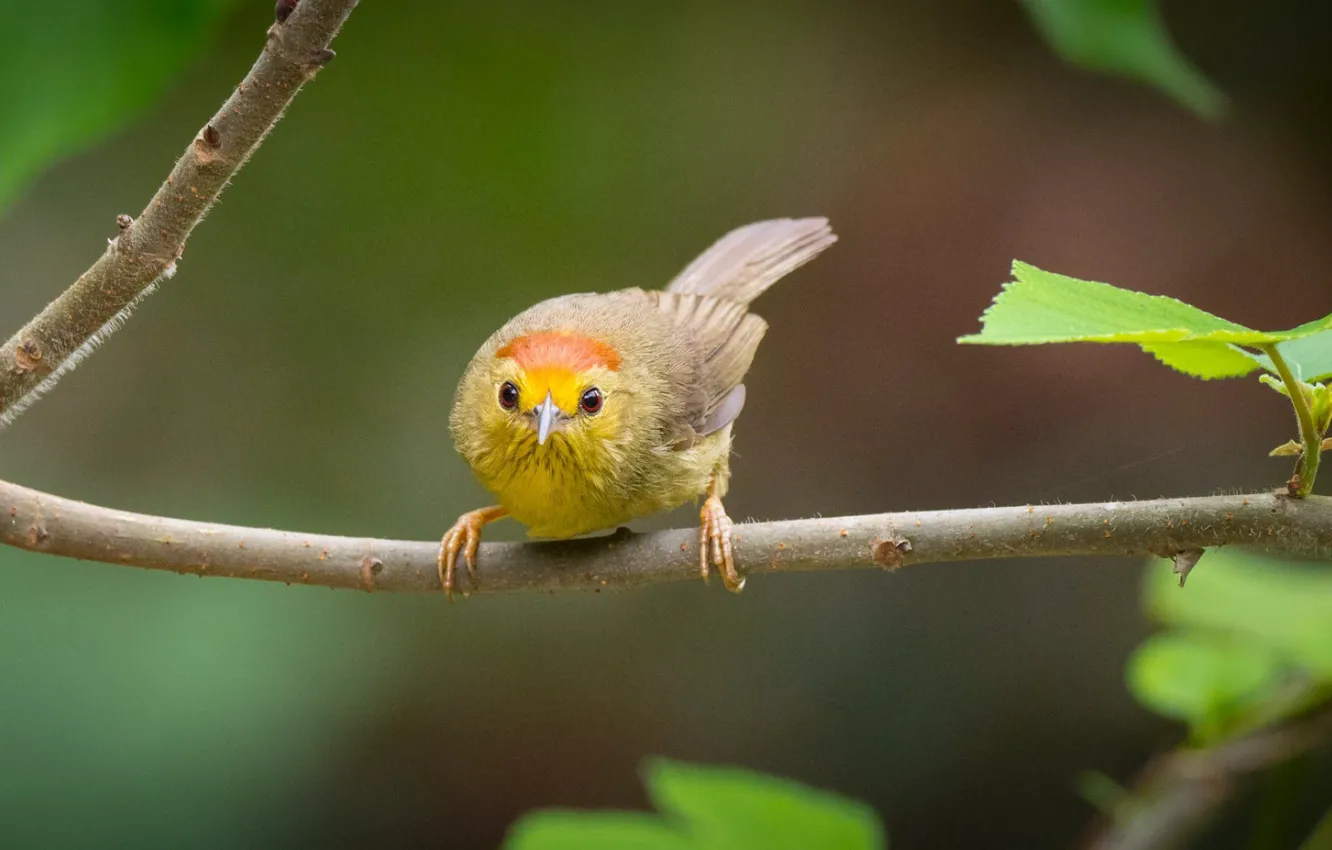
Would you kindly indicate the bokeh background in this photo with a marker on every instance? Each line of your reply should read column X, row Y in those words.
column 460, row 161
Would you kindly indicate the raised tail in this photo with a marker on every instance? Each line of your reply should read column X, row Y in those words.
column 745, row 262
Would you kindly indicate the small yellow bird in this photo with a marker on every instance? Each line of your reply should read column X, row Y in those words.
column 586, row 411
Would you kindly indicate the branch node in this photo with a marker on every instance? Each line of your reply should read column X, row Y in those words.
column 317, row 60
column 283, row 10
column 37, row 534
column 27, row 356
column 211, row 136
column 206, row 146
column 1294, row 484
column 123, row 222
column 889, row 553
column 370, row 567
column 1184, row 560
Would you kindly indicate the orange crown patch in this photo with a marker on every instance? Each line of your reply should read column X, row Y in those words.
column 561, row 348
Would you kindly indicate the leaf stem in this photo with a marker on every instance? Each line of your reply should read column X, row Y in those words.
column 1307, row 469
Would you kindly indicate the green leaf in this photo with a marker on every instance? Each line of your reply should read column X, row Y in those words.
column 1249, row 643
column 1127, row 38
column 562, row 830
column 77, row 69
column 1310, row 358
column 1290, row 448
column 1282, row 605
column 1039, row 307
column 1206, row 360
column 1210, row 680
column 730, row 807
column 710, row 808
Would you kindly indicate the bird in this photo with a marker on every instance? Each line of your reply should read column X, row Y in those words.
column 589, row 410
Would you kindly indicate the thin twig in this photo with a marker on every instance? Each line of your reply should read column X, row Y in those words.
column 43, row 523
column 146, row 250
column 1321, row 836
column 1178, row 793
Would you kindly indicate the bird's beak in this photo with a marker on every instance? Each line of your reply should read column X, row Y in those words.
column 546, row 413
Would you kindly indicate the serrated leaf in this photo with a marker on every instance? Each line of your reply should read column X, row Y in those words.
column 1039, row 307
column 710, row 808
column 1128, row 38
column 1209, row 680
column 1206, row 360
column 1282, row 605
column 79, row 68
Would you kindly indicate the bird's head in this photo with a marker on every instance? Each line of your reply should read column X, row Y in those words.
column 551, row 390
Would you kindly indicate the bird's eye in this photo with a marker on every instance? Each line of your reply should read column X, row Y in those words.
column 508, row 395
column 591, row 401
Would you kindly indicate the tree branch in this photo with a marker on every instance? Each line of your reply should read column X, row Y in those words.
column 146, row 250
column 39, row 522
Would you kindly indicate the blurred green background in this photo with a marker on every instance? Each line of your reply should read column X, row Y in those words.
column 458, row 162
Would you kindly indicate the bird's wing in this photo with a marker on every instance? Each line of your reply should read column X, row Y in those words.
column 725, row 337
column 748, row 260
column 708, row 304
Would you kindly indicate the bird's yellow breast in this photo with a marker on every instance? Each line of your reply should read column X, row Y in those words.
column 562, row 490
column 556, row 490
column 554, row 501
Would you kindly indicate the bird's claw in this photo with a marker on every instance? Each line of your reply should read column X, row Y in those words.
column 463, row 538
column 714, row 544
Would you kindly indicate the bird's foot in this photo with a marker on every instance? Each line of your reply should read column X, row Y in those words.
column 463, row 538
column 714, row 544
